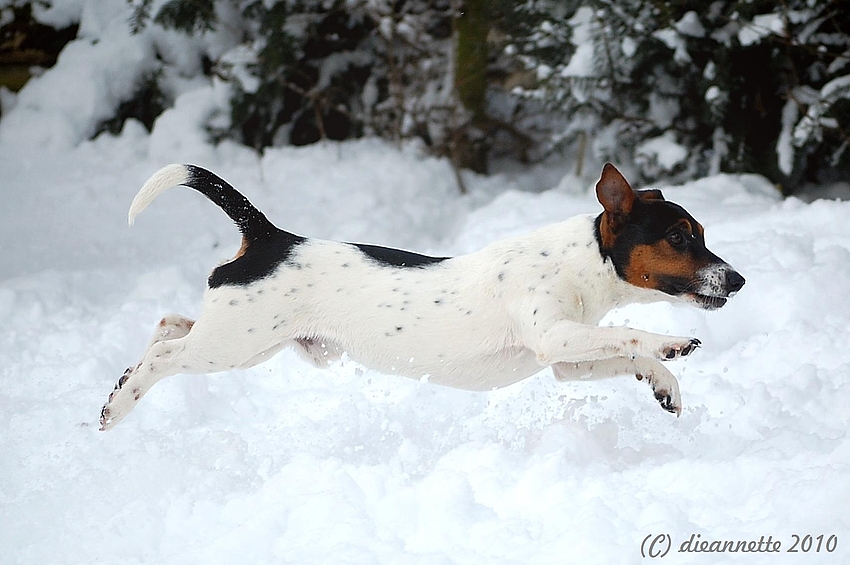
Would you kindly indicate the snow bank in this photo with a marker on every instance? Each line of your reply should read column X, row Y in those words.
column 92, row 76
column 286, row 463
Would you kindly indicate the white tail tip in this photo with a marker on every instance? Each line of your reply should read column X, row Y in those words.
column 166, row 177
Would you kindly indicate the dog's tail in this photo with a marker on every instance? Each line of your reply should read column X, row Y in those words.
column 250, row 221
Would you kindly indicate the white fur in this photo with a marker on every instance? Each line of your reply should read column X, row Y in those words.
column 165, row 178
column 477, row 322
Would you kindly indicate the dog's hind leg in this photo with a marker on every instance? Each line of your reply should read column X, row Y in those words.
column 173, row 349
column 264, row 355
column 318, row 353
column 663, row 382
column 172, row 326
column 162, row 359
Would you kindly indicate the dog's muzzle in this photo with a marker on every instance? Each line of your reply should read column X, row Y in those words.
column 715, row 285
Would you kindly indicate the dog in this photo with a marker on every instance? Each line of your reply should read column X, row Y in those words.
column 477, row 322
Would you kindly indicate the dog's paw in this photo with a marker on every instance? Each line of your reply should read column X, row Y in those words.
column 122, row 399
column 679, row 347
column 666, row 389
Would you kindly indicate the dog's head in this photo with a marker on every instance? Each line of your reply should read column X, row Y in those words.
column 656, row 244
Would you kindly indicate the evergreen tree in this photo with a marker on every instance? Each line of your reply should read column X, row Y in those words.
column 693, row 88
column 681, row 89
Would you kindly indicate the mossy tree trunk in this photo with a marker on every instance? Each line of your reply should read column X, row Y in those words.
column 472, row 26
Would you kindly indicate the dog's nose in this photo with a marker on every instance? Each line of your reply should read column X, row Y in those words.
column 734, row 281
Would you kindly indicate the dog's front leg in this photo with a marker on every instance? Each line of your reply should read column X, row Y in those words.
column 572, row 342
column 663, row 383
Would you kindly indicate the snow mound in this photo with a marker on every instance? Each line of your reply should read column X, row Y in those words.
column 284, row 462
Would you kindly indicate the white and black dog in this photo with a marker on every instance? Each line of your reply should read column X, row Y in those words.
column 477, row 322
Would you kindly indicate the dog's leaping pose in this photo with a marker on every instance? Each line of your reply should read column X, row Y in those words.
column 477, row 322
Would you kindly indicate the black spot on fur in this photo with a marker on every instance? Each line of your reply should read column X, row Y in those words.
column 390, row 257
column 502, row 276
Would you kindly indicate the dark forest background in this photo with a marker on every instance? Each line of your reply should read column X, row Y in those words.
column 677, row 89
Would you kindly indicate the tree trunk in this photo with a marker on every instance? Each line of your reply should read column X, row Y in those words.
column 471, row 29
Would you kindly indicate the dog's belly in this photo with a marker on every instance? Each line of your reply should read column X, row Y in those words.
column 476, row 371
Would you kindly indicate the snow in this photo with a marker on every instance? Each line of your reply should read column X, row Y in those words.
column 784, row 145
column 581, row 62
column 662, row 151
column 674, row 40
column 814, row 119
column 690, row 25
column 49, row 112
column 287, row 463
column 761, row 26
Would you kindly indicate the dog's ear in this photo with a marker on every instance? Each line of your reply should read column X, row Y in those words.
column 616, row 195
column 650, row 194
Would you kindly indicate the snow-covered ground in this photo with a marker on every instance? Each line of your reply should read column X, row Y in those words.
column 285, row 463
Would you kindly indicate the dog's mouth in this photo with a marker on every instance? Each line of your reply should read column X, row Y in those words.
column 706, row 301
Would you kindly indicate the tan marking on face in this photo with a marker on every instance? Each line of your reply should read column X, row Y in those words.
column 242, row 249
column 685, row 226
column 650, row 264
column 700, row 229
column 649, row 194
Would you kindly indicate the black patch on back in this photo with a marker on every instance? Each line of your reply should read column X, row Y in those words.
column 389, row 257
column 260, row 259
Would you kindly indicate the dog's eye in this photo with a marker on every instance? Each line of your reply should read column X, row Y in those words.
column 676, row 239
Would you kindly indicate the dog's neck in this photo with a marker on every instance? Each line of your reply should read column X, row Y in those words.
column 586, row 278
